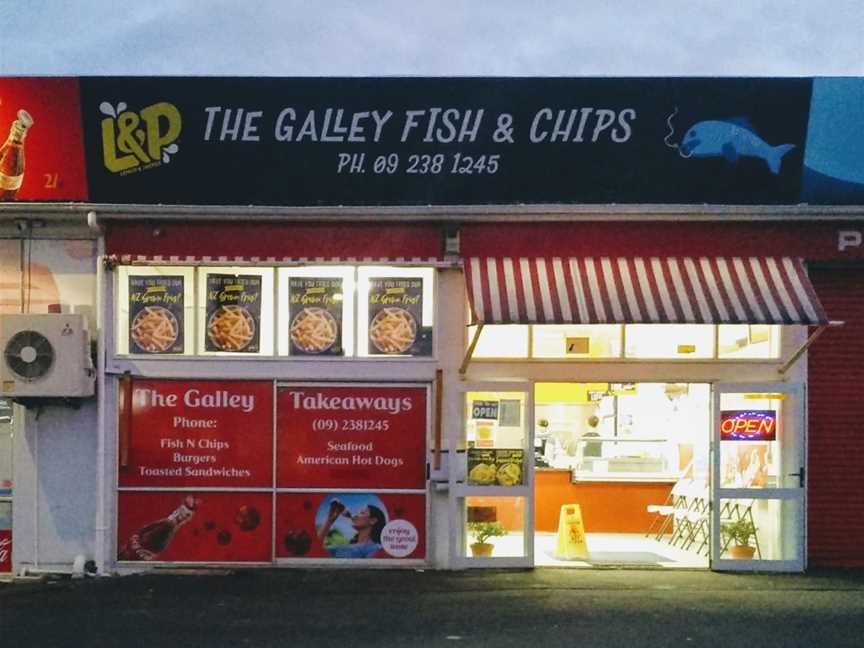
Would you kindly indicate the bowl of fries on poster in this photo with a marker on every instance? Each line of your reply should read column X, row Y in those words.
column 393, row 330
column 314, row 330
column 231, row 328
column 154, row 329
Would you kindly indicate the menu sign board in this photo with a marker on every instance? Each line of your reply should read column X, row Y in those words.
column 350, row 525
column 315, row 312
column 501, row 466
column 156, row 314
column 179, row 526
column 200, row 433
column 351, row 437
column 233, row 313
column 396, row 317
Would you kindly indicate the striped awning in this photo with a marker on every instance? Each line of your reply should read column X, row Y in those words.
column 161, row 259
column 650, row 290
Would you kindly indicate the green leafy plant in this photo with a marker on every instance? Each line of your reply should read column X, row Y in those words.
column 482, row 531
column 739, row 531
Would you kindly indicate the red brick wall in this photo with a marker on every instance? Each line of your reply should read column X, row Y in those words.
column 835, row 511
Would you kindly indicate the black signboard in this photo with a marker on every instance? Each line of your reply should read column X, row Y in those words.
column 437, row 141
column 233, row 313
column 484, row 409
column 155, row 314
column 315, row 314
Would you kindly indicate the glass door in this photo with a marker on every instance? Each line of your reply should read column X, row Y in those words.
column 758, row 478
column 492, row 483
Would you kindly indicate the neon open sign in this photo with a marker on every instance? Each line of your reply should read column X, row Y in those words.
column 748, row 425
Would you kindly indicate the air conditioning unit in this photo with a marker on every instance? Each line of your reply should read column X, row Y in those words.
column 45, row 355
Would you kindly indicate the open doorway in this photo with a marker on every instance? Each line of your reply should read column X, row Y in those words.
column 621, row 474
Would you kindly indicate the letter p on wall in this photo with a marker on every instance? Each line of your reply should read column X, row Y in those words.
column 848, row 239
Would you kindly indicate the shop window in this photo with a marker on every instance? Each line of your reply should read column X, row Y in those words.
column 156, row 311
column 395, row 311
column 316, row 311
column 495, row 527
column 496, row 438
column 760, row 529
column 501, row 341
column 748, row 341
column 669, row 341
column 597, row 341
column 641, row 341
column 624, row 431
column 751, row 429
column 235, row 311
column 313, row 311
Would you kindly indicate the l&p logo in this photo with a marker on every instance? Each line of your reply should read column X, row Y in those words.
column 134, row 141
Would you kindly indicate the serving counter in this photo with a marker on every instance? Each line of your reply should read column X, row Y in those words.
column 607, row 506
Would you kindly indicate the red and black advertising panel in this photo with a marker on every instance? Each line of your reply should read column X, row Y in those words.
column 354, row 437
column 438, row 141
column 350, row 525
column 196, row 471
column 200, row 434
column 5, row 550
column 41, row 140
column 183, row 526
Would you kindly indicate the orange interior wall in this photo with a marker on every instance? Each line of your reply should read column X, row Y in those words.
column 607, row 507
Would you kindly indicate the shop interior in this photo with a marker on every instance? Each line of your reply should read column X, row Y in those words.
column 621, row 476
column 617, row 450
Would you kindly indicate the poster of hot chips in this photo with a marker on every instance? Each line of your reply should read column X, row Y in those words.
column 233, row 313
column 396, row 317
column 315, row 315
column 495, row 467
column 156, row 314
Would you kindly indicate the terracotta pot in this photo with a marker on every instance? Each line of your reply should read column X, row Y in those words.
column 742, row 552
column 481, row 549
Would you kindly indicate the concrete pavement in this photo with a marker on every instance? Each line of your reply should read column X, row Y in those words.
column 548, row 607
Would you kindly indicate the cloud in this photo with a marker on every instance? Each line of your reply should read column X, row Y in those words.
column 446, row 38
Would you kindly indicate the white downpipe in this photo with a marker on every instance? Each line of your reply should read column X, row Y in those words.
column 101, row 427
column 36, row 462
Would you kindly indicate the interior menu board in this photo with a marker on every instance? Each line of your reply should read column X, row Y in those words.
column 179, row 526
column 350, row 525
column 233, row 313
column 315, row 311
column 365, row 437
column 396, row 317
column 200, row 433
column 155, row 314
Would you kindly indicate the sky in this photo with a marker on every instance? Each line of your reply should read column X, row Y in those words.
column 441, row 38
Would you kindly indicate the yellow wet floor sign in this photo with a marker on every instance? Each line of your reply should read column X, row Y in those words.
column 571, row 534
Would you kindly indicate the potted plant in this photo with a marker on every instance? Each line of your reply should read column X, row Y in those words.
column 482, row 531
column 739, row 533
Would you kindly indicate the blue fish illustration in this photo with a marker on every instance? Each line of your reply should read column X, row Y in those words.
column 730, row 139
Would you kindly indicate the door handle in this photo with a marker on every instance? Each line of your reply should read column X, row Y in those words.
column 800, row 476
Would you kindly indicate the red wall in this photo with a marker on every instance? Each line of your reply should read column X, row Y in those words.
column 835, row 521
